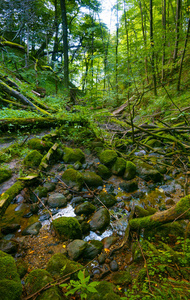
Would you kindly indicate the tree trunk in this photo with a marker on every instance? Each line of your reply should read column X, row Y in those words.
column 163, row 37
column 152, row 46
column 55, row 46
column 65, row 44
column 178, row 9
column 116, row 55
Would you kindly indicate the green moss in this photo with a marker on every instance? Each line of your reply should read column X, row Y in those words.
column 92, row 179
column 33, row 159
column 130, row 171
column 108, row 157
column 183, row 205
column 22, row 267
column 10, row 289
column 73, row 155
column 5, row 174
column 40, row 145
column 67, row 228
column 8, row 269
column 73, row 178
column 145, row 222
column 105, row 287
column 103, row 171
column 108, row 199
column 119, row 166
column 122, row 278
column 36, row 279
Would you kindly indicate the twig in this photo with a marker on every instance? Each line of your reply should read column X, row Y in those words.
column 51, row 216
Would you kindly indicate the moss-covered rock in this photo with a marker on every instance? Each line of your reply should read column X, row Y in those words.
column 103, row 171
column 129, row 186
column 60, row 265
column 67, row 228
column 22, row 267
column 100, row 220
column 85, row 208
column 37, row 144
column 122, row 278
column 119, row 166
column 130, row 171
column 10, row 289
column 73, row 155
column 108, row 158
column 33, row 159
column 57, row 200
column 76, row 248
column 5, row 174
column 107, row 199
column 40, row 191
column 92, row 249
column 73, row 178
column 92, row 179
column 147, row 172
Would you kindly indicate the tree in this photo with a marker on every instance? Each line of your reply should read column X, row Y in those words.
column 65, row 43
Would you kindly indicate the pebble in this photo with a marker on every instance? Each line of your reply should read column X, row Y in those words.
column 114, row 266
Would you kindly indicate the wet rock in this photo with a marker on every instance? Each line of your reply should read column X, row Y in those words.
column 119, row 166
column 34, row 208
column 5, row 174
column 37, row 279
column 147, row 172
column 80, row 219
column 92, row 179
column 73, row 155
column 22, row 267
column 50, row 186
column 76, row 248
column 169, row 201
column 10, row 285
column 108, row 158
column 100, row 220
column 101, row 258
column 122, row 278
column 77, row 165
column 92, row 249
column 108, row 199
column 138, row 194
column 129, row 186
column 10, row 228
column 85, row 208
column 73, row 178
column 108, row 241
column 130, row 171
column 103, row 172
column 40, row 191
column 57, row 200
column 9, row 247
column 32, row 229
column 33, row 159
column 67, row 228
column 85, row 227
column 114, row 266
column 77, row 200
column 37, row 144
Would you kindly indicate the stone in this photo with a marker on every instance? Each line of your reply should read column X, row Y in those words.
column 76, row 248
column 40, row 191
column 33, row 159
column 92, row 249
column 147, row 172
column 22, row 267
column 103, row 172
column 108, row 158
column 130, row 171
column 119, row 166
column 73, row 155
column 10, row 228
column 37, row 144
column 85, row 208
column 57, row 200
column 32, row 229
column 100, row 220
column 114, row 266
column 9, row 247
column 77, row 165
column 50, row 186
column 107, row 199
column 101, row 258
column 67, row 228
column 92, row 179
column 73, row 178
column 129, row 186
column 85, row 227
column 108, row 241
column 121, row 278
column 76, row 200
column 5, row 174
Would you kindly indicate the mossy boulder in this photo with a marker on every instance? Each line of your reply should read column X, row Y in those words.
column 100, row 220
column 5, row 174
column 10, row 285
column 130, row 171
column 36, row 280
column 122, row 278
column 60, row 265
column 85, row 208
column 40, row 191
column 57, row 200
column 8, row 246
column 33, row 159
column 92, row 179
column 67, row 228
column 105, row 291
column 119, row 166
column 147, row 172
column 32, row 229
column 107, row 199
column 22, row 267
column 104, row 172
column 73, row 155
column 108, row 158
column 37, row 144
column 75, row 249
column 92, row 249
column 73, row 178
column 129, row 186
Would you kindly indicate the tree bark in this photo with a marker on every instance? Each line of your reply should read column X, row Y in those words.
column 152, row 47
column 163, row 37
column 178, row 10
column 65, row 44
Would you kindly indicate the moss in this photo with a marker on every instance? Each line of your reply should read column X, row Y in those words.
column 108, row 157
column 105, row 287
column 130, row 171
column 119, row 166
column 22, row 267
column 73, row 155
column 10, row 289
column 141, row 212
column 145, row 222
column 108, row 199
column 5, row 174
column 67, row 228
column 154, row 143
column 122, row 278
column 73, row 178
column 37, row 144
column 142, row 275
column 183, row 205
column 103, row 171
column 147, row 172
column 92, row 179
column 33, row 159
column 8, row 269
column 60, row 265
column 36, row 279
column 51, row 294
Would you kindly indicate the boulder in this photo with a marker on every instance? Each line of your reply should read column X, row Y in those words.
column 50, row 186
column 119, row 166
column 57, row 200
column 92, row 179
column 73, row 178
column 85, row 208
column 33, row 159
column 147, row 172
column 32, row 229
column 10, row 228
column 37, row 144
column 92, row 249
column 104, row 172
column 129, row 186
column 67, row 228
column 40, row 191
column 8, row 246
column 121, row 278
column 73, row 155
column 100, row 220
column 130, row 171
column 107, row 199
column 5, row 174
column 76, row 248
column 108, row 158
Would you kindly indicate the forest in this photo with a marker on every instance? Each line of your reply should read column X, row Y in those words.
column 94, row 149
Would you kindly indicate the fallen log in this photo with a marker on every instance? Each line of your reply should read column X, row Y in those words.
column 180, row 211
column 122, row 107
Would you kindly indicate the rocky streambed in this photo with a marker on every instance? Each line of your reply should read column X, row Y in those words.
column 72, row 209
